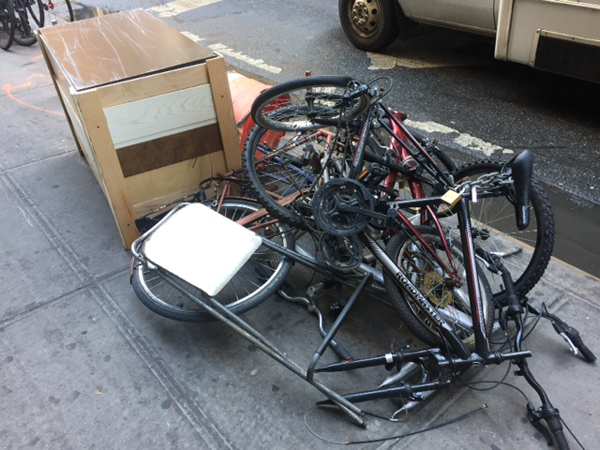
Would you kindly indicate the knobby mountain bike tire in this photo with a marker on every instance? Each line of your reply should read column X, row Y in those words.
column 7, row 24
column 318, row 101
column 452, row 303
column 257, row 280
column 495, row 229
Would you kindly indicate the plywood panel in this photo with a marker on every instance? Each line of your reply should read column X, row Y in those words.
column 141, row 209
column 224, row 110
column 169, row 150
column 55, row 80
column 162, row 115
column 120, row 46
column 175, row 178
column 152, row 85
column 82, row 137
column 109, row 168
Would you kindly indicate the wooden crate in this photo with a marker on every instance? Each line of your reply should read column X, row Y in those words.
column 150, row 110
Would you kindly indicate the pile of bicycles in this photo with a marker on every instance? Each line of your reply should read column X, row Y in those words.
column 19, row 18
column 453, row 250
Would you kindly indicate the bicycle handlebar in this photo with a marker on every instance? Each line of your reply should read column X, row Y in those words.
column 361, row 90
column 555, row 427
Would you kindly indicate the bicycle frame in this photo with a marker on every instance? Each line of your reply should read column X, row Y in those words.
column 453, row 356
column 403, row 161
column 447, row 364
column 476, row 304
column 406, row 285
column 463, row 355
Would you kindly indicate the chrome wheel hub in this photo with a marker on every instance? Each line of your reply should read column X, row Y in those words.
column 365, row 14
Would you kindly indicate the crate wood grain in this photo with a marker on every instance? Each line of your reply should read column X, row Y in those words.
column 149, row 133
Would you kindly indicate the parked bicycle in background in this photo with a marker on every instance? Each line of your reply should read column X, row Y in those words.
column 7, row 24
column 45, row 12
column 19, row 18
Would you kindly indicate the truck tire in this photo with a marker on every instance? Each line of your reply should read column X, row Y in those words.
column 370, row 24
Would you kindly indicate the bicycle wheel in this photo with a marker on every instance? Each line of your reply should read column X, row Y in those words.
column 525, row 253
column 451, row 302
column 285, row 168
column 317, row 100
column 63, row 11
column 7, row 24
column 23, row 32
column 58, row 11
column 36, row 11
column 257, row 280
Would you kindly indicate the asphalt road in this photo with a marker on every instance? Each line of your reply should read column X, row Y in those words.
column 448, row 82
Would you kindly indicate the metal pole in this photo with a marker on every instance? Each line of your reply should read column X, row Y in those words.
column 245, row 330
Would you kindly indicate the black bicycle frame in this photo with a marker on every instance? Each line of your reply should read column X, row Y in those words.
column 446, row 331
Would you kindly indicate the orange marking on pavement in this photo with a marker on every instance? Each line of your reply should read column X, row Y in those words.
column 9, row 89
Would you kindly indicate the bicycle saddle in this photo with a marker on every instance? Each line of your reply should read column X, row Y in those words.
column 522, row 171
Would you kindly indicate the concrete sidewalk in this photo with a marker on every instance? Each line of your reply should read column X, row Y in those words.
column 85, row 365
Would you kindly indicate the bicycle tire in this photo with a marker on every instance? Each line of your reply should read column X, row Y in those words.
column 424, row 273
column 256, row 281
column 279, row 164
column 435, row 152
column 494, row 218
column 23, row 32
column 64, row 10
column 7, row 24
column 59, row 11
column 37, row 14
column 318, row 100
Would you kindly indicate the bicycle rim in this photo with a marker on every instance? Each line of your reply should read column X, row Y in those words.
column 257, row 280
column 314, row 102
column 451, row 302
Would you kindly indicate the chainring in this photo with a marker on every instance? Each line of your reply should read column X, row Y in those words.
column 335, row 194
column 340, row 252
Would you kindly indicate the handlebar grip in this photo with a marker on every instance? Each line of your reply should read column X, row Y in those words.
column 362, row 89
column 341, row 350
column 587, row 354
column 555, row 426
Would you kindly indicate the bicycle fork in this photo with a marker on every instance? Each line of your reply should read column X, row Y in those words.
column 514, row 312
